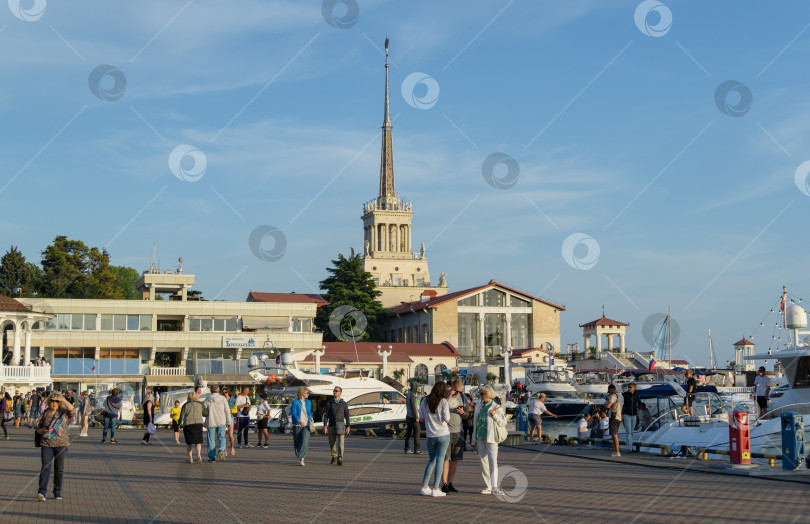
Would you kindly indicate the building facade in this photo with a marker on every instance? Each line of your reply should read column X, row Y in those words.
column 157, row 345
column 479, row 322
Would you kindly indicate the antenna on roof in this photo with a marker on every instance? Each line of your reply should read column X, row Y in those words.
column 153, row 268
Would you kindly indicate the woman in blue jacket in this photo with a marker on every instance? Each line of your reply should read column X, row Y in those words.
column 300, row 423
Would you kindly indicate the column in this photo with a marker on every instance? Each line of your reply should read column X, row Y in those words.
column 15, row 359
column 481, row 342
column 28, row 344
column 621, row 343
column 610, row 341
column 508, row 332
column 598, row 342
column 587, row 343
column 373, row 239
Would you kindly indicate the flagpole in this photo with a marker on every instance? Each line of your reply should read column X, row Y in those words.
column 669, row 334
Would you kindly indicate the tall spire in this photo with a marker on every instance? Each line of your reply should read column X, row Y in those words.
column 387, row 160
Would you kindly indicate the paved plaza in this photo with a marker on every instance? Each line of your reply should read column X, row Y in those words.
column 129, row 482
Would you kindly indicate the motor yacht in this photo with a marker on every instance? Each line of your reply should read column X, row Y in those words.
column 562, row 398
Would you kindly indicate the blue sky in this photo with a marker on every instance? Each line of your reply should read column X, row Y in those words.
column 613, row 124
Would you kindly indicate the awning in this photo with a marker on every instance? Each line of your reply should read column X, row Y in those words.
column 228, row 379
column 265, row 322
column 174, row 380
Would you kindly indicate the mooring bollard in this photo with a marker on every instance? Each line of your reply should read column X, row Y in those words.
column 792, row 441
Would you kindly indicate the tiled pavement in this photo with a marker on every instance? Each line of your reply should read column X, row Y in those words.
column 129, row 482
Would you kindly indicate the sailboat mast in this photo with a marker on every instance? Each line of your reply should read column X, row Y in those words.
column 669, row 333
column 711, row 351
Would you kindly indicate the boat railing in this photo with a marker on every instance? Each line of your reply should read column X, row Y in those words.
column 672, row 414
column 804, row 408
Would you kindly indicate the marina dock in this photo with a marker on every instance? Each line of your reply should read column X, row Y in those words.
column 129, row 483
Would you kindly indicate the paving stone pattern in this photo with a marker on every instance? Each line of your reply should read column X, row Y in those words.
column 128, row 482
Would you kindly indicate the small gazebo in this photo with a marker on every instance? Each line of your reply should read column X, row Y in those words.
column 604, row 327
column 21, row 318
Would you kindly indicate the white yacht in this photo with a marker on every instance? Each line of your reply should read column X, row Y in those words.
column 562, row 398
column 163, row 417
column 372, row 404
column 127, row 408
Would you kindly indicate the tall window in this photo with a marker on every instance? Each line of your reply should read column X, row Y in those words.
column 517, row 302
column 73, row 361
column 437, row 371
column 494, row 333
column 493, row 298
column 424, row 333
column 421, row 372
column 302, row 325
column 467, row 336
column 519, row 324
column 469, row 301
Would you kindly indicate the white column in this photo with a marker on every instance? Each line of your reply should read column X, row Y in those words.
column 621, row 343
column 598, row 342
column 587, row 343
column 610, row 341
column 509, row 332
column 15, row 359
column 481, row 343
column 318, row 353
column 28, row 347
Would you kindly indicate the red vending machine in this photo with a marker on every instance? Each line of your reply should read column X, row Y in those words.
column 739, row 439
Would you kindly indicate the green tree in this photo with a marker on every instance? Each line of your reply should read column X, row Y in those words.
column 125, row 278
column 73, row 270
column 352, row 289
column 17, row 273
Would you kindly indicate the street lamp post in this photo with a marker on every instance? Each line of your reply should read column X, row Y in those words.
column 384, row 353
column 318, row 354
column 506, row 353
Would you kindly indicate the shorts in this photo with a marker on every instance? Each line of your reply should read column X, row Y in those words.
column 261, row 423
column 614, row 426
column 455, row 451
column 175, row 426
column 535, row 420
column 762, row 402
column 689, row 400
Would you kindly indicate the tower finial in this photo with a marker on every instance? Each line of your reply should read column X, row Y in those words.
column 387, row 161
column 603, row 311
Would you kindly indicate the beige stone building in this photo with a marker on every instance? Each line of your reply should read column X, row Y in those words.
column 479, row 322
column 155, row 345
column 401, row 274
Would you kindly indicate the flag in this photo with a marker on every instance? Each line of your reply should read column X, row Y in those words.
column 782, row 307
column 94, row 368
column 652, row 364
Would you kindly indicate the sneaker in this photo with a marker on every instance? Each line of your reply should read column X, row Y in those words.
column 444, row 488
column 334, row 459
column 425, row 491
column 248, row 445
column 407, row 452
column 57, row 497
column 103, row 440
column 266, row 446
column 177, row 442
column 486, row 492
column 438, row 493
column 451, row 489
column 222, row 456
column 40, row 497
column 82, row 434
column 340, row 462
column 417, row 452
column 301, row 462
column 615, row 454
column 143, row 442
column 112, row 441
column 211, row 460
column 240, row 446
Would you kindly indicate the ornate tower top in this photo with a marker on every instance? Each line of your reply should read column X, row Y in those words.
column 387, row 160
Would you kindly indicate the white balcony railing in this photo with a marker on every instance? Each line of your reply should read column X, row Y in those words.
column 25, row 373
column 164, row 372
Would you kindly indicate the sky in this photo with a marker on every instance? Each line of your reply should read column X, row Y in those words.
column 648, row 155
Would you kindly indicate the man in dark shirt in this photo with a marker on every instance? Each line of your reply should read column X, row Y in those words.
column 691, row 388
column 630, row 406
column 336, row 424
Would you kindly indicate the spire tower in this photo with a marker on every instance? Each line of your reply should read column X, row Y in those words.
column 387, row 156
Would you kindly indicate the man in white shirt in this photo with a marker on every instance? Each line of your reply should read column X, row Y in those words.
column 537, row 407
column 614, row 409
column 243, row 417
column 762, row 386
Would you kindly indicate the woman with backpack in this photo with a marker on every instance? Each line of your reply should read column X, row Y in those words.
column 110, row 411
column 5, row 412
column 435, row 411
column 53, row 430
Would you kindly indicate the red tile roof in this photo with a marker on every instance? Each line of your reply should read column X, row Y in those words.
column 10, row 304
column 604, row 322
column 530, row 350
column 743, row 342
column 433, row 302
column 286, row 298
column 445, row 349
column 352, row 357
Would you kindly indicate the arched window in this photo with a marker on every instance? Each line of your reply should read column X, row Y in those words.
column 438, row 371
column 421, row 372
column 424, row 333
column 393, row 336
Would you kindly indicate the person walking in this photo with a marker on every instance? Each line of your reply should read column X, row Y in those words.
column 487, row 414
column 18, row 409
column 174, row 413
column 614, row 409
column 243, row 417
column 301, row 415
column 262, row 417
column 336, row 424
column 85, row 409
column 412, row 419
column 631, row 403
column 192, row 417
column 148, row 417
column 762, row 387
column 536, row 408
column 459, row 411
column 5, row 412
column 219, row 418
column 36, row 400
column 110, row 411
column 232, row 406
column 435, row 411
column 52, row 427
column 691, row 389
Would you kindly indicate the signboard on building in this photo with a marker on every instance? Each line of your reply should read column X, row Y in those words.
column 239, row 342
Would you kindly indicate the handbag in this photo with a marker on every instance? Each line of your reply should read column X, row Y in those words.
column 310, row 423
column 151, row 429
column 499, row 432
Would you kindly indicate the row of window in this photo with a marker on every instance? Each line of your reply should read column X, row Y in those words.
column 421, row 371
column 494, row 298
column 92, row 322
